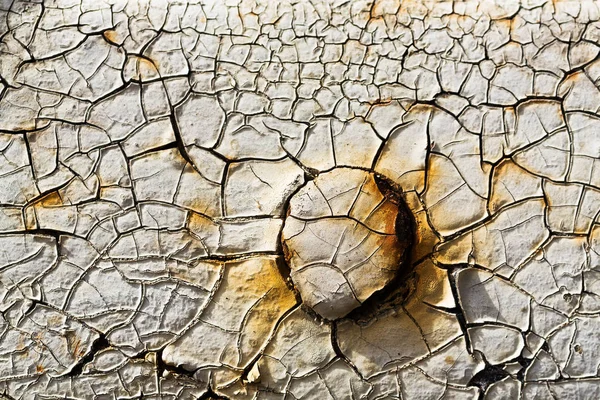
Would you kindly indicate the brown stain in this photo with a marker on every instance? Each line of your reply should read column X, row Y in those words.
column 412, row 7
column 424, row 237
column 39, row 369
column 28, row 124
column 573, row 79
column 449, row 360
column 206, row 206
column 37, row 336
column 111, row 36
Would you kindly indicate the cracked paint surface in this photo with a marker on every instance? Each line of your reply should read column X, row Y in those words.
column 169, row 168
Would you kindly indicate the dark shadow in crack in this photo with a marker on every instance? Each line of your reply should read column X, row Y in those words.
column 393, row 295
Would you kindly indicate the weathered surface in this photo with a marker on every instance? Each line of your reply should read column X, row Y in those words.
column 150, row 151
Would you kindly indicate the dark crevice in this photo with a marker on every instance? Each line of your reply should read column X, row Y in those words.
column 340, row 353
column 284, row 271
column 460, row 317
column 167, row 146
column 524, row 363
column 56, row 234
column 162, row 367
column 484, row 378
column 211, row 395
column 98, row 345
column 6, row 396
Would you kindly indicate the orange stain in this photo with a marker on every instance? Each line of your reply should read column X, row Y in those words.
column 111, row 36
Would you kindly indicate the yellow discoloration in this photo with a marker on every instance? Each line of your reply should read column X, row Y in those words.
column 111, row 36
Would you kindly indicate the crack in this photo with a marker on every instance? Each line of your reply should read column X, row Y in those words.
column 98, row 345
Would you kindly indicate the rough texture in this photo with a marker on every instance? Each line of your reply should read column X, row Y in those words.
column 150, row 151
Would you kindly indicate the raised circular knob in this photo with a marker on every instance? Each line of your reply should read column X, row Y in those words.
column 340, row 240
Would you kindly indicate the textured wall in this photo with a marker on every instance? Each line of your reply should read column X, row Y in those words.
column 299, row 200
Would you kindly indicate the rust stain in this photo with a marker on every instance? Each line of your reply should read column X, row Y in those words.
column 74, row 344
column 384, row 7
column 449, row 360
column 146, row 63
column 111, row 36
column 200, row 225
column 39, row 369
column 382, row 100
column 145, row 67
column 50, row 200
column 504, row 23
column 76, row 347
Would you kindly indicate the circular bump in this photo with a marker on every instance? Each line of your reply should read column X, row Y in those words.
column 341, row 240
